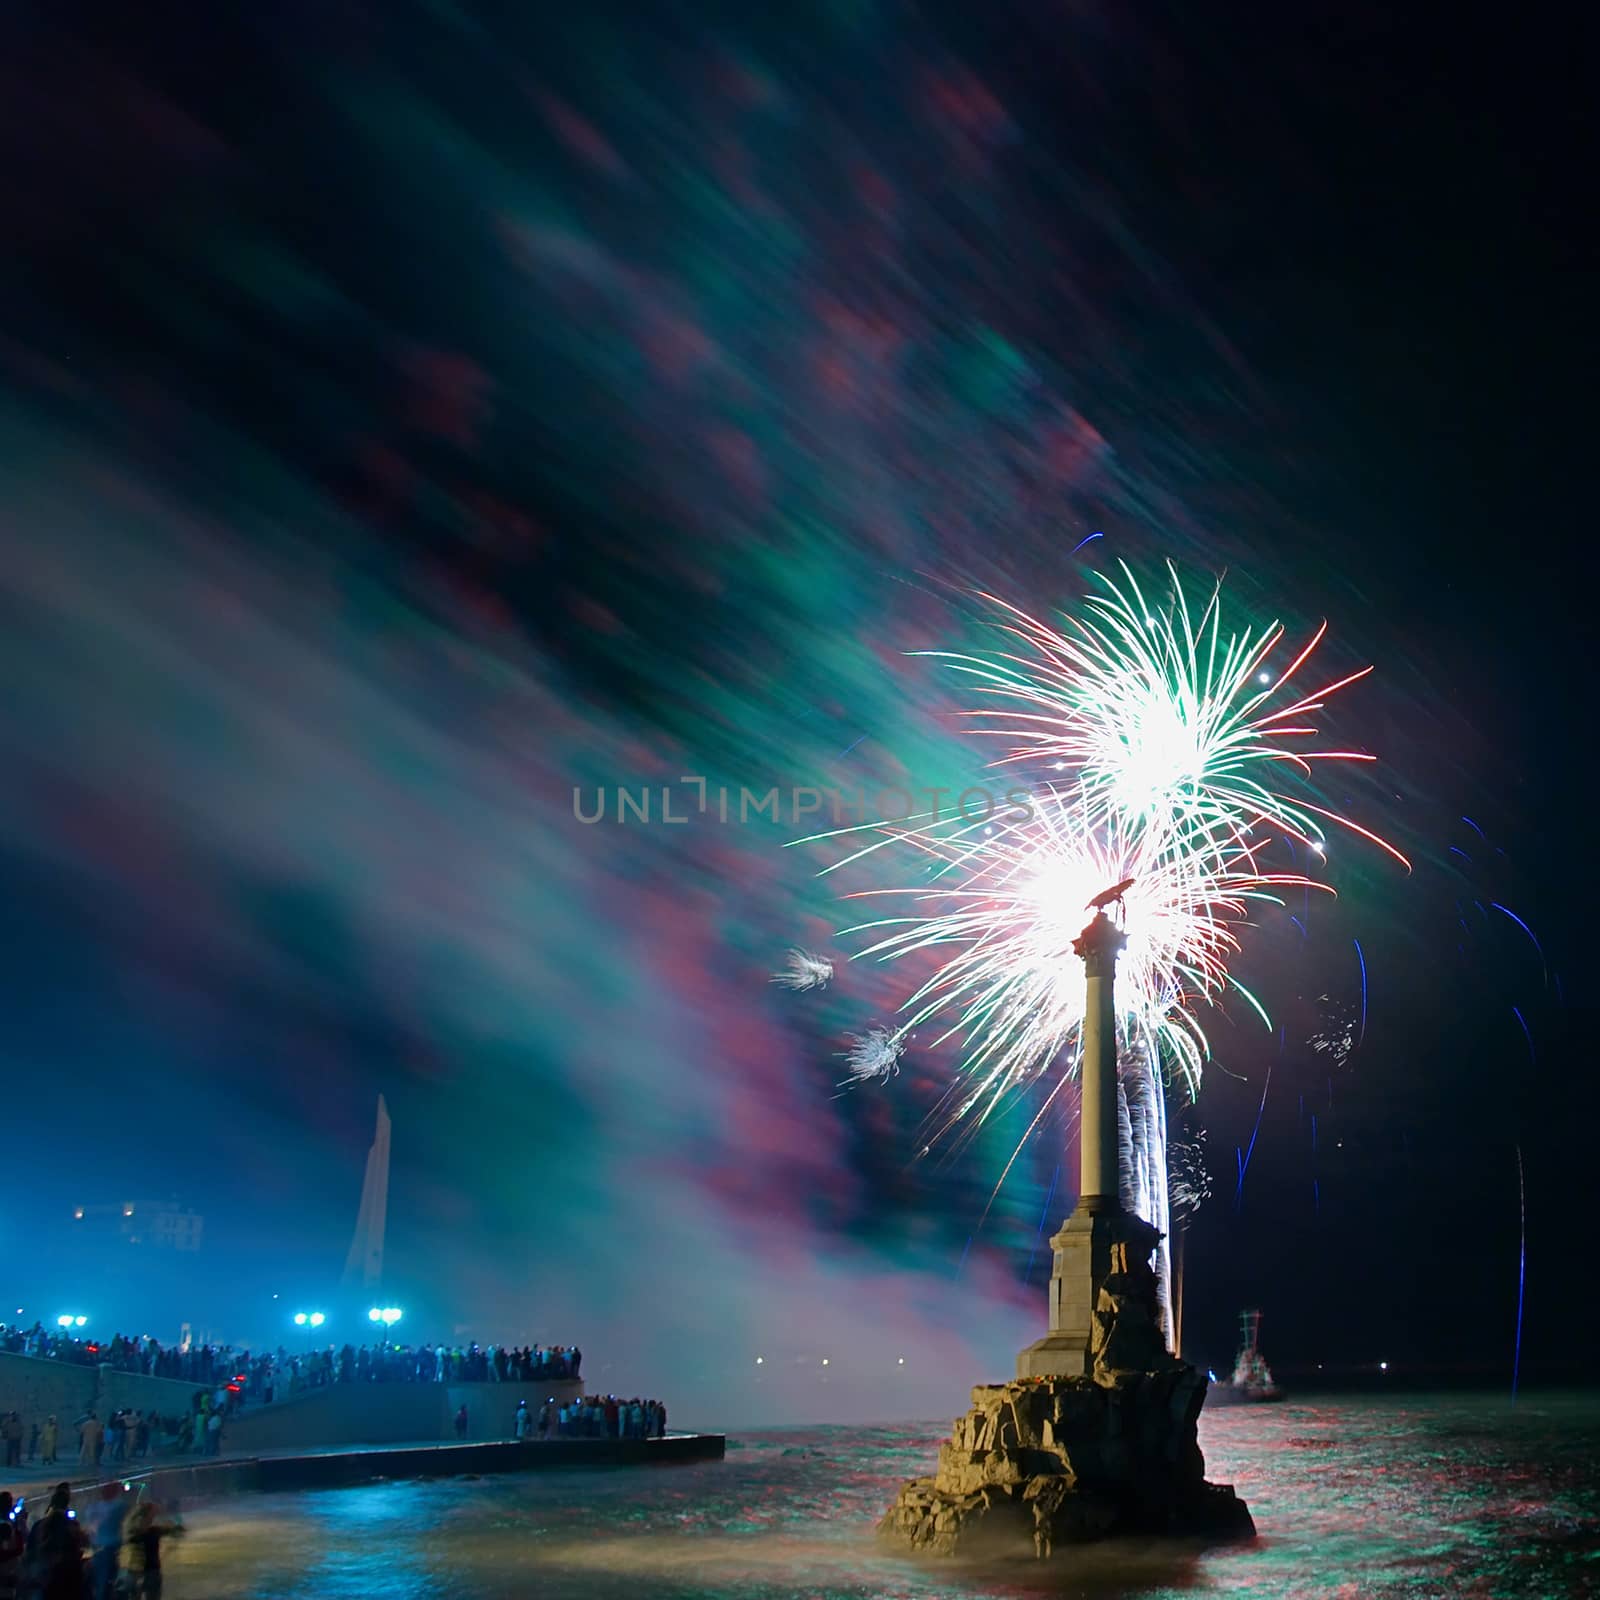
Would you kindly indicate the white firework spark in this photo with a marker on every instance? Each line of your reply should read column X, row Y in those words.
column 802, row 970
column 874, row 1054
column 1335, row 1037
column 1008, row 899
column 1189, row 1181
column 1184, row 761
column 1142, row 1133
column 1161, row 716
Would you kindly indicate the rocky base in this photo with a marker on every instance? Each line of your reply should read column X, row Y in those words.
column 1043, row 1462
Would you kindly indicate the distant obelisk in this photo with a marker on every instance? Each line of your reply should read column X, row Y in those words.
column 364, row 1264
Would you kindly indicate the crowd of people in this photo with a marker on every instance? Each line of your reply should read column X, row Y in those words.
column 125, row 1435
column 263, row 1378
column 187, row 1363
column 111, row 1551
column 228, row 1380
column 268, row 1375
column 592, row 1417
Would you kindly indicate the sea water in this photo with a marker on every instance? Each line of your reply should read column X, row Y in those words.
column 1400, row 1496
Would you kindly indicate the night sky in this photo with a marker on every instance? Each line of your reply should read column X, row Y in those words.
column 414, row 412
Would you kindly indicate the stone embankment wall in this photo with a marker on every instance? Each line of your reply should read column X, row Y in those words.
column 343, row 1413
column 167, row 1397
column 36, row 1389
column 388, row 1413
column 492, row 1407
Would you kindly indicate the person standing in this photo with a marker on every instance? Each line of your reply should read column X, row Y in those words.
column 91, row 1441
column 104, row 1527
column 48, row 1435
column 141, row 1547
column 461, row 1421
column 11, row 1432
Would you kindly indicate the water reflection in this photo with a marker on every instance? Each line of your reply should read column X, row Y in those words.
column 1457, row 1496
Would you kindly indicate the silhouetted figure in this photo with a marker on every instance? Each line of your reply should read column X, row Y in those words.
column 56, row 1546
column 13, row 1544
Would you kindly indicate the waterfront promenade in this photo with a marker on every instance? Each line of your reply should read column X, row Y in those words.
column 192, row 1480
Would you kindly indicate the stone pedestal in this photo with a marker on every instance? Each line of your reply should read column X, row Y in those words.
column 1044, row 1462
column 1061, row 1457
column 1084, row 1250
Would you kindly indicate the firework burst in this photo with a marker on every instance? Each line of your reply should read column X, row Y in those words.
column 1188, row 1176
column 1164, row 721
column 1167, row 743
column 802, row 971
column 873, row 1055
column 1002, row 905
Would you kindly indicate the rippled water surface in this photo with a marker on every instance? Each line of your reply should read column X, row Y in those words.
column 1399, row 1497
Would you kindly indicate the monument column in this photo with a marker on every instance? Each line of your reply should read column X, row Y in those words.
column 1097, row 1434
column 1083, row 1247
column 1098, row 1145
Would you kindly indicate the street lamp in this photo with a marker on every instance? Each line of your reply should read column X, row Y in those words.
column 300, row 1319
column 318, row 1318
column 387, row 1315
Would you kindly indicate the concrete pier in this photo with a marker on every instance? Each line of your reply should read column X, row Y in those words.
column 194, row 1481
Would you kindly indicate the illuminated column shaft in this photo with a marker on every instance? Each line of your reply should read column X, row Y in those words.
column 1098, row 1227
column 1099, row 1188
